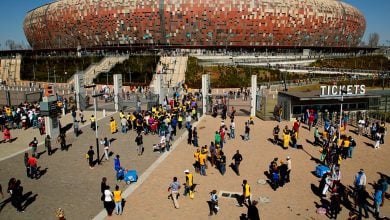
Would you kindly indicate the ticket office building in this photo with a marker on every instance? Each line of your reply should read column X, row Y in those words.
column 294, row 104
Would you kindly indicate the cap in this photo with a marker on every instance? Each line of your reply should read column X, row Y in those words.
column 186, row 171
column 288, row 157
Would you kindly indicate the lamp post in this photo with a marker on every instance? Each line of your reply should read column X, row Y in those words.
column 341, row 114
column 94, row 96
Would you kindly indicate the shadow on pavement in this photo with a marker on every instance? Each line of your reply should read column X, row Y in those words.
column 369, row 144
column 28, row 199
column 66, row 128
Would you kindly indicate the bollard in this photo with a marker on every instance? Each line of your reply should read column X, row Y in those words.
column 104, row 112
column 63, row 111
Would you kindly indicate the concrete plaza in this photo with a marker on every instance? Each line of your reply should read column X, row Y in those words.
column 69, row 183
column 296, row 200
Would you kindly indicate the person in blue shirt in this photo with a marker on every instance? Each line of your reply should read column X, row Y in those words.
column 117, row 163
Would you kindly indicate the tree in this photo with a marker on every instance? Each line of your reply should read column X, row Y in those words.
column 10, row 44
column 373, row 39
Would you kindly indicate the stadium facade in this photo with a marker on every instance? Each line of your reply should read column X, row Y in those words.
column 195, row 23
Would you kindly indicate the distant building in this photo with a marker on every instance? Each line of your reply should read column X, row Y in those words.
column 206, row 23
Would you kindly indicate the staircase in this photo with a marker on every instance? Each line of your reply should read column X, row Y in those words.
column 105, row 65
column 173, row 71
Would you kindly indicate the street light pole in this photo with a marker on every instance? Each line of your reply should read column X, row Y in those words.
column 94, row 96
column 341, row 114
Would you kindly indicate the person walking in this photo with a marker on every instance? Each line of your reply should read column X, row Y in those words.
column 362, row 197
column 360, row 180
column 17, row 196
column 237, row 158
column 188, row 188
column 253, row 212
column 288, row 159
column 378, row 194
column 316, row 137
column 246, row 133
column 48, row 145
column 246, row 193
column 113, row 127
column 203, row 163
column 62, row 140
column 6, row 135
column 118, row 200
column 26, row 164
column 76, row 128
column 222, row 163
column 117, row 163
column 103, row 186
column 93, row 122
column 90, row 154
column 189, row 139
column 106, row 145
column 195, row 137
column 124, row 125
column 81, row 115
column 33, row 164
column 34, row 145
column 213, row 203
column 232, row 129
column 174, row 188
column 139, row 141
column 276, row 134
column 108, row 201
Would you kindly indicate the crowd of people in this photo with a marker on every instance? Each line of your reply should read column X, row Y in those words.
column 22, row 116
column 213, row 155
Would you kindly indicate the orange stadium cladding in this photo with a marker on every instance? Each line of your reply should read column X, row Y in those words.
column 202, row 23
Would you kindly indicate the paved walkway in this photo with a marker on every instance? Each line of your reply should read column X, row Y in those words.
column 295, row 200
column 70, row 184
column 67, row 181
column 24, row 137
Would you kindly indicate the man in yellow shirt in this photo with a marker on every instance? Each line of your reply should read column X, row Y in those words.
column 118, row 200
column 246, row 193
column 202, row 163
column 188, row 189
column 196, row 157
column 93, row 122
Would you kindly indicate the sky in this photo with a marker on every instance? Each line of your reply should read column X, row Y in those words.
column 12, row 13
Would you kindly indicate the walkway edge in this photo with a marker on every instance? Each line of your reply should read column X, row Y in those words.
column 41, row 143
column 103, row 214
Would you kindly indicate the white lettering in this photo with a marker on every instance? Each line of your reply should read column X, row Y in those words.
column 322, row 90
column 349, row 89
column 362, row 89
column 356, row 88
column 334, row 90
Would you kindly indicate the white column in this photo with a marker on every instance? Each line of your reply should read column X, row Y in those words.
column 79, row 89
column 205, row 91
column 253, row 94
column 117, row 90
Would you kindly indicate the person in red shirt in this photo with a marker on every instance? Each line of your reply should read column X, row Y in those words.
column 33, row 163
column 7, row 135
column 296, row 126
column 311, row 119
column 222, row 134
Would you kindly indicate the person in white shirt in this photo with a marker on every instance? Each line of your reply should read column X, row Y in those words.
column 162, row 143
column 109, row 204
column 360, row 180
column 361, row 124
column 232, row 129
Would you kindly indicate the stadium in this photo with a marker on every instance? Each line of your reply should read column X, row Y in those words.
column 194, row 24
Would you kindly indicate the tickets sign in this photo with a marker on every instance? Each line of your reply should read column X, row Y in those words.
column 345, row 90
